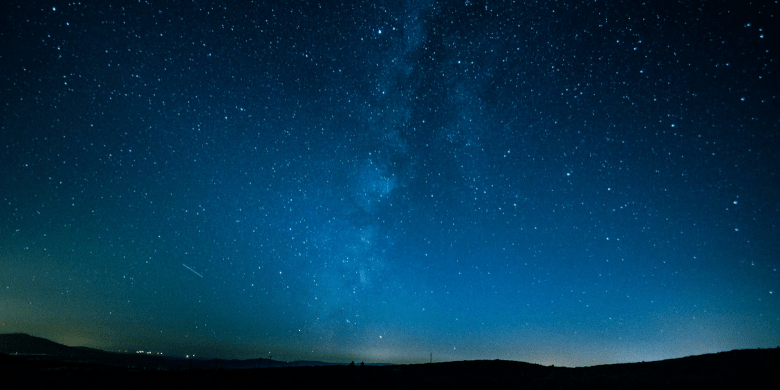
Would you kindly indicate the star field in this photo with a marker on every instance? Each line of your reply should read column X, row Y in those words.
column 568, row 183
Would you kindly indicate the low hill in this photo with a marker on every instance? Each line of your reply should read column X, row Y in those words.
column 40, row 349
column 20, row 343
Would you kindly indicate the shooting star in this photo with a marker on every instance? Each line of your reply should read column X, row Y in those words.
column 193, row 271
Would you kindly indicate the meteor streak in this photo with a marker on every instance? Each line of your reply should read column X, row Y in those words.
column 193, row 271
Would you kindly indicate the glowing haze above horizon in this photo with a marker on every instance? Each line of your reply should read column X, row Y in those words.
column 568, row 183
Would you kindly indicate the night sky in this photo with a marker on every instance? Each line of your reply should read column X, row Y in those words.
column 557, row 182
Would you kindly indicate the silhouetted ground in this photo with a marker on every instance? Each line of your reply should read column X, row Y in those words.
column 749, row 369
column 742, row 369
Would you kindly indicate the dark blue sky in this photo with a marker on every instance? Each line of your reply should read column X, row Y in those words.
column 568, row 183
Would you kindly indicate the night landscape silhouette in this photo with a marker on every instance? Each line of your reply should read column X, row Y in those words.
column 44, row 363
column 417, row 193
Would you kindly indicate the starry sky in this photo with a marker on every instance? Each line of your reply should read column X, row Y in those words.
column 557, row 182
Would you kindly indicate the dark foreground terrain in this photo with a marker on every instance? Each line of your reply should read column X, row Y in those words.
column 742, row 369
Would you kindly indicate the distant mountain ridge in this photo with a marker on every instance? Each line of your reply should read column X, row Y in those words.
column 24, row 344
column 12, row 343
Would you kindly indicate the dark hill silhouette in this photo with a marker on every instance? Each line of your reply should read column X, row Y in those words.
column 30, row 345
column 24, row 344
column 753, row 369
column 41, row 349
